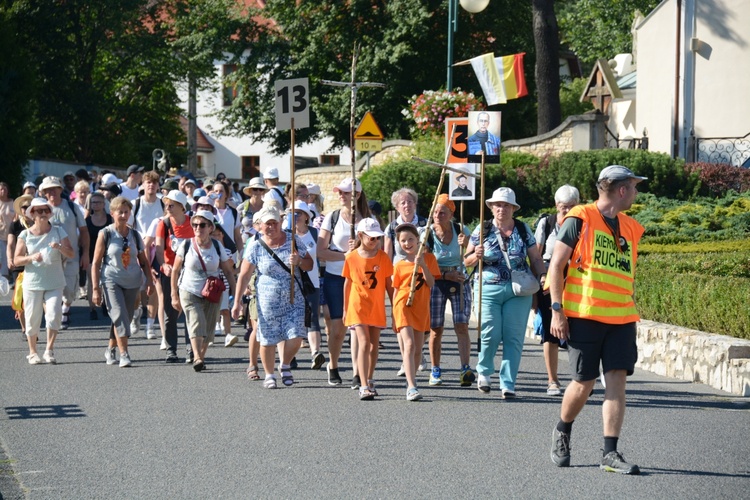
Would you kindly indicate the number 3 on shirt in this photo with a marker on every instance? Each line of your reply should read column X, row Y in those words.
column 292, row 102
column 372, row 279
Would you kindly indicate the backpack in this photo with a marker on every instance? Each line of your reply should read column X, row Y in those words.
column 549, row 224
column 138, row 241
column 431, row 238
column 520, row 227
column 281, row 195
column 137, row 206
column 334, row 220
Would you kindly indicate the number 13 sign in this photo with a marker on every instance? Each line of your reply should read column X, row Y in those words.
column 292, row 102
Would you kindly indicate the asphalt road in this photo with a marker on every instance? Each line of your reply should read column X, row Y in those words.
column 82, row 429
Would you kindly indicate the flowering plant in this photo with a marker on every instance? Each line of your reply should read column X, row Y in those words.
column 430, row 109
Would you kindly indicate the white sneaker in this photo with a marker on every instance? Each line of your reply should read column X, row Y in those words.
column 49, row 357
column 124, row 360
column 421, row 364
column 401, row 372
column 603, row 380
column 135, row 324
column 34, row 359
column 150, row 333
column 230, row 340
column 163, row 345
column 109, row 355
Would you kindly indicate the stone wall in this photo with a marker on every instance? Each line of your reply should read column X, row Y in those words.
column 329, row 177
column 716, row 360
column 576, row 133
column 719, row 361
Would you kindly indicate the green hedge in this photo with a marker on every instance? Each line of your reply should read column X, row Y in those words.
column 707, row 292
column 534, row 180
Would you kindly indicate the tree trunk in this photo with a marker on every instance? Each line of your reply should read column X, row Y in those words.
column 192, row 137
column 546, row 41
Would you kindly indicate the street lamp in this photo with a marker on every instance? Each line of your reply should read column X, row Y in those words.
column 472, row 6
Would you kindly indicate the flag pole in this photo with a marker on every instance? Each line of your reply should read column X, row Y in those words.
column 481, row 244
column 293, row 193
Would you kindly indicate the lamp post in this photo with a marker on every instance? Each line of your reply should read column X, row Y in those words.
column 472, row 6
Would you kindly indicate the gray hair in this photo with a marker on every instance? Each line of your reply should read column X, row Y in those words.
column 567, row 194
column 403, row 191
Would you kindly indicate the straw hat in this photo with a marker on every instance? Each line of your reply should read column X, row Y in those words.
column 21, row 201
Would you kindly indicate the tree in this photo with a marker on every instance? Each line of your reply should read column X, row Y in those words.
column 104, row 90
column 403, row 45
column 201, row 32
column 16, row 103
column 600, row 28
column 547, row 43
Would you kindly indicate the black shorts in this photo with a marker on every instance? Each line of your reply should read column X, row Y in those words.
column 592, row 342
column 544, row 302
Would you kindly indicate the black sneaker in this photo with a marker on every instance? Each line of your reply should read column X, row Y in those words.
column 356, row 382
column 189, row 358
column 172, row 357
column 614, row 462
column 333, row 376
column 93, row 316
column 317, row 361
column 65, row 321
column 560, row 453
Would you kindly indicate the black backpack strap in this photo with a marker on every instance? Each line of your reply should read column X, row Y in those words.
column 136, row 207
column 334, row 220
column 313, row 233
column 550, row 222
column 521, row 228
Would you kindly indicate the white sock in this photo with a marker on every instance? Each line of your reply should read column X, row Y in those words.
column 65, row 308
column 150, row 323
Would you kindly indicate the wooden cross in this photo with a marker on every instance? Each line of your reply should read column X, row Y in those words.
column 353, row 86
column 600, row 94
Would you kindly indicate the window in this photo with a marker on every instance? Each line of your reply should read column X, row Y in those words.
column 329, row 160
column 229, row 91
column 250, row 167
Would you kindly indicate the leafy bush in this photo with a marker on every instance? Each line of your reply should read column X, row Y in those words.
column 717, row 179
column 703, row 219
column 701, row 291
column 570, row 98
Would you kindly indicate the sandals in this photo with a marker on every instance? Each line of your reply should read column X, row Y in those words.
column 270, row 383
column 286, row 376
column 252, row 373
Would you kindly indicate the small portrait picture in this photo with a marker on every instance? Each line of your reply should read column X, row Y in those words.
column 484, row 135
column 461, row 185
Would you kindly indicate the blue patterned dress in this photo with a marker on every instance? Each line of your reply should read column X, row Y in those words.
column 278, row 320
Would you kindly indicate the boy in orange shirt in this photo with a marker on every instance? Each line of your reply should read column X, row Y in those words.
column 411, row 322
column 368, row 271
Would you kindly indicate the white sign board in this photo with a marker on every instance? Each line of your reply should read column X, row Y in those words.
column 292, row 102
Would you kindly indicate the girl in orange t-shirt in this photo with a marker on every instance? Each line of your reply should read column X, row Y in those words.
column 368, row 271
column 411, row 322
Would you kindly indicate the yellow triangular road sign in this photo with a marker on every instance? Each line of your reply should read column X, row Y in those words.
column 368, row 129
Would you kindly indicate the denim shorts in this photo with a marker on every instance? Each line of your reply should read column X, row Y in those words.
column 314, row 300
column 333, row 291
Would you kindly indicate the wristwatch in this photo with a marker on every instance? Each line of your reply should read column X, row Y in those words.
column 556, row 306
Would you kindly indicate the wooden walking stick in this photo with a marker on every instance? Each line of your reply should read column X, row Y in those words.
column 428, row 227
column 293, row 193
column 481, row 244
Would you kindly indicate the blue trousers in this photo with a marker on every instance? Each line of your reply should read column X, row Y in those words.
column 504, row 318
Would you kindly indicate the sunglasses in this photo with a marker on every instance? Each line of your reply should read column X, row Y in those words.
column 25, row 207
column 125, row 245
column 200, row 225
column 41, row 211
column 257, row 190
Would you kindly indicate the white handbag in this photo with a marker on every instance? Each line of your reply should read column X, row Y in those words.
column 524, row 283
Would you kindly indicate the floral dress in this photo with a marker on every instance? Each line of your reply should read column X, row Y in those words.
column 278, row 320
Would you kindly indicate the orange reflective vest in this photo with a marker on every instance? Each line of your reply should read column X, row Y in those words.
column 599, row 283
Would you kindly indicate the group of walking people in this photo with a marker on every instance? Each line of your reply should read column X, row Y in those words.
column 294, row 262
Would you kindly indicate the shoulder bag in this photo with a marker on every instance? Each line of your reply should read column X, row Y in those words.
column 308, row 308
column 524, row 283
column 214, row 287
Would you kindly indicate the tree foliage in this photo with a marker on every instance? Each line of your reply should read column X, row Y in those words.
column 600, row 28
column 403, row 45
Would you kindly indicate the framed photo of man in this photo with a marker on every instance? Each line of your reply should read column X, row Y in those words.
column 462, row 186
column 484, row 135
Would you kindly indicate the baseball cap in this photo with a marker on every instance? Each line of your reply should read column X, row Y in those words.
column 110, row 179
column 134, row 169
column 370, row 227
column 345, row 186
column 618, row 173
